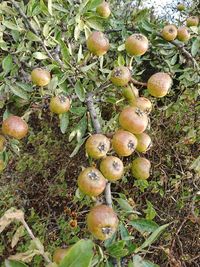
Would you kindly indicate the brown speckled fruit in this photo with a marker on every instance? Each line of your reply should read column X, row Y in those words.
column 97, row 43
column 144, row 142
column 141, row 168
column 180, row 7
column 124, row 143
column 136, row 44
column 97, row 146
column 192, row 21
column 120, row 76
column 183, row 34
column 59, row 104
column 112, row 168
column 2, row 165
column 91, row 182
column 133, row 120
column 2, row 142
column 40, row 77
column 130, row 92
column 15, row 126
column 143, row 103
column 159, row 84
column 103, row 10
column 102, row 222
column 169, row 32
column 59, row 254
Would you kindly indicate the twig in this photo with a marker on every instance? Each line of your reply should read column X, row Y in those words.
column 138, row 83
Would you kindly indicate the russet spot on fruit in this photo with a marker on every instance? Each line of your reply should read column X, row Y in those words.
column 143, row 103
column 97, row 43
column 159, row 84
column 144, row 142
column 102, row 222
column 91, row 182
column 2, row 142
column 169, row 32
column 140, row 168
column 180, row 7
column 183, row 34
column 130, row 92
column 103, row 10
column 133, row 120
column 59, row 254
column 120, row 76
column 59, row 104
column 15, row 126
column 97, row 146
column 124, row 143
column 40, row 77
column 112, row 168
column 192, row 21
column 136, row 44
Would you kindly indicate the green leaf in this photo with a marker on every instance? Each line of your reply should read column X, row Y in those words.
column 94, row 24
column 150, row 211
column 88, row 67
column 10, row 25
column 32, row 37
column 153, row 237
column 80, row 255
column 19, row 92
column 144, row 226
column 139, row 262
column 80, row 92
column 40, row 55
column 93, row 4
column 196, row 165
column 117, row 249
column 7, row 64
column 9, row 263
column 124, row 204
column 195, row 47
column 64, row 122
column 50, row 7
column 77, row 148
column 25, row 86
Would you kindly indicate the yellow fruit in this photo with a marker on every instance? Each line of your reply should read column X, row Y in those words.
column 91, row 182
column 112, row 168
column 180, row 7
column 120, row 76
column 133, row 120
column 143, row 142
column 59, row 104
column 102, row 222
column 2, row 143
column 169, row 32
column 40, row 77
column 97, row 146
column 15, row 126
column 141, row 168
column 159, row 84
column 136, row 44
column 183, row 34
column 192, row 21
column 143, row 103
column 130, row 92
column 124, row 143
column 103, row 10
column 97, row 43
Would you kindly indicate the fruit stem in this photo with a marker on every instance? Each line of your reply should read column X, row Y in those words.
column 108, row 195
column 131, row 62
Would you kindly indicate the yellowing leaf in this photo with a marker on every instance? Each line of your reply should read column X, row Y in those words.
column 19, row 233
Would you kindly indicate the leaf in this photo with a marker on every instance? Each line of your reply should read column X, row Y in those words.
column 64, row 122
column 124, row 204
column 50, row 7
column 94, row 24
column 78, row 146
column 80, row 255
column 144, row 226
column 19, row 233
column 195, row 47
column 139, row 262
column 117, row 250
column 196, row 165
column 10, row 25
column 7, row 64
column 153, row 237
column 32, row 37
column 93, row 4
column 40, row 55
column 150, row 211
column 80, row 92
column 25, row 86
column 9, row 263
column 9, row 216
column 19, row 92
column 88, row 67
column 25, row 256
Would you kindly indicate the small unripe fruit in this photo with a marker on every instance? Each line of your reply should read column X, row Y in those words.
column 2, row 142
column 40, row 77
column 2, row 165
column 159, row 84
column 91, row 182
column 141, row 168
column 59, row 104
column 120, row 76
column 192, row 21
column 97, row 43
column 133, row 120
column 183, row 34
column 124, row 143
column 103, row 10
column 59, row 254
column 169, row 32
column 143, row 103
column 15, row 126
column 180, row 7
column 136, row 44
column 130, row 92
column 112, row 168
column 102, row 222
column 97, row 146
column 143, row 142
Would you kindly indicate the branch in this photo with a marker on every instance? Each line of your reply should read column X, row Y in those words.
column 138, row 83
